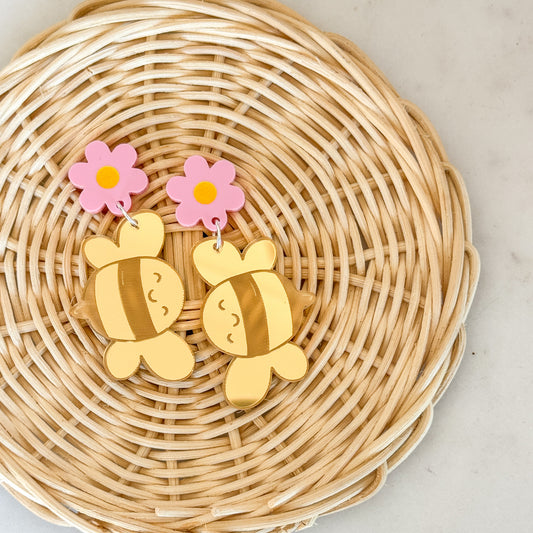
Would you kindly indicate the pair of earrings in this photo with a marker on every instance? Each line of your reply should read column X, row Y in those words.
column 133, row 296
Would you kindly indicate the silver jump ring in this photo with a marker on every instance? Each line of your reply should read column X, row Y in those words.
column 127, row 216
column 218, row 245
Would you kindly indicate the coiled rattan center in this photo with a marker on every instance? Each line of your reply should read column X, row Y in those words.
column 349, row 180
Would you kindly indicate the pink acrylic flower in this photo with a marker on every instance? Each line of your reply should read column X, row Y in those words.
column 108, row 178
column 205, row 193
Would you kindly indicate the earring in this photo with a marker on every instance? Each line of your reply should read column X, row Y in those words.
column 133, row 297
column 252, row 312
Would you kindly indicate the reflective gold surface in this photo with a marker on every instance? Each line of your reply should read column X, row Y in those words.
column 133, row 298
column 251, row 313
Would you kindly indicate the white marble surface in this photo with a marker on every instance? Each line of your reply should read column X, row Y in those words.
column 469, row 66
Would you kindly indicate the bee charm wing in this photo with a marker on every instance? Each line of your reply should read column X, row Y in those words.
column 122, row 359
column 167, row 356
column 216, row 266
column 144, row 241
column 248, row 379
column 289, row 362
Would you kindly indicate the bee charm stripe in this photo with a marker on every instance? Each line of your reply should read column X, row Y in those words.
column 112, row 314
column 277, row 306
column 134, row 300
column 254, row 314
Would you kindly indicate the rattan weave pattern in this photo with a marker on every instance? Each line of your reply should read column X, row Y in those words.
column 351, row 182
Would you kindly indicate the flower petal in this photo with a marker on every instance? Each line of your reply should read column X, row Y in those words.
column 124, row 155
column 180, row 189
column 234, row 198
column 81, row 175
column 223, row 172
column 92, row 200
column 97, row 152
column 188, row 214
column 196, row 167
column 136, row 181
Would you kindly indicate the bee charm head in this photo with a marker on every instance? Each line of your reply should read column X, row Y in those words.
column 133, row 297
column 251, row 313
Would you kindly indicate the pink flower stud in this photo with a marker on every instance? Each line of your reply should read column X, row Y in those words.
column 108, row 178
column 206, row 193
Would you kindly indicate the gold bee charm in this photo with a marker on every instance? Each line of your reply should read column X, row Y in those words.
column 133, row 298
column 251, row 313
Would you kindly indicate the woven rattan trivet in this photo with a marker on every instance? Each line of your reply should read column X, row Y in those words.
column 349, row 179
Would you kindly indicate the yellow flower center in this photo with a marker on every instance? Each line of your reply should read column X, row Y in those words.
column 107, row 177
column 205, row 192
